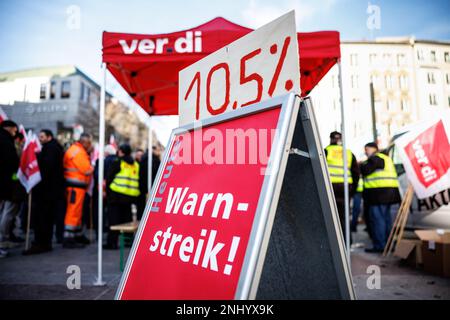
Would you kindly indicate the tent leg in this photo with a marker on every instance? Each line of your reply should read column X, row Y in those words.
column 150, row 154
column 346, row 190
column 99, row 281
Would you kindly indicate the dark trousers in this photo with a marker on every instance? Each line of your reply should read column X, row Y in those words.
column 356, row 210
column 44, row 213
column 59, row 219
column 340, row 203
column 117, row 213
column 381, row 222
column 140, row 206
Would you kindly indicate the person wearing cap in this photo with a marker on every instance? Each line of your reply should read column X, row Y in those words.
column 9, row 164
column 335, row 160
column 122, row 185
column 380, row 192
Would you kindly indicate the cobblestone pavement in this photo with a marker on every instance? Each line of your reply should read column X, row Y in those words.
column 44, row 276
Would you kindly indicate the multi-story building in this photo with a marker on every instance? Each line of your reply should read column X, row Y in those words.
column 411, row 80
column 64, row 99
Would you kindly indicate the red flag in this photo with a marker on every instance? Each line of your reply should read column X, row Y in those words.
column 425, row 153
column 3, row 115
column 28, row 173
column 23, row 132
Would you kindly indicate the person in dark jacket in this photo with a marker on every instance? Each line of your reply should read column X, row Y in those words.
column 335, row 161
column 9, row 164
column 48, row 193
column 143, row 178
column 380, row 192
column 122, row 187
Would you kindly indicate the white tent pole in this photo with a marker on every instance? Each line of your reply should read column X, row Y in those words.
column 344, row 153
column 150, row 154
column 101, row 156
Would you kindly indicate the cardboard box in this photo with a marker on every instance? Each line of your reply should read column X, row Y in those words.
column 410, row 251
column 435, row 251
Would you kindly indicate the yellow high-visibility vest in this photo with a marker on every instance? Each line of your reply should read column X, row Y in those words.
column 382, row 178
column 360, row 187
column 335, row 161
column 127, row 180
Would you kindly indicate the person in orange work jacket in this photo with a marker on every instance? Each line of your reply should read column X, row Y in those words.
column 77, row 174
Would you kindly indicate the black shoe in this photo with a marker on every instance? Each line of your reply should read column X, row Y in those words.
column 110, row 247
column 82, row 240
column 72, row 244
column 36, row 249
column 373, row 250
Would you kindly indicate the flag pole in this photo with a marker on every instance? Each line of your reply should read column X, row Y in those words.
column 99, row 281
column 27, row 237
column 345, row 160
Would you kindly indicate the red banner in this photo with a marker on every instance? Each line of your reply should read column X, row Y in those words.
column 425, row 152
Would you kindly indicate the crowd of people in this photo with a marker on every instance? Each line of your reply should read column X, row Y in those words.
column 64, row 202
column 373, row 182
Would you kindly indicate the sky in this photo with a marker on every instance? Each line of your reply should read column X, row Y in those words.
column 43, row 32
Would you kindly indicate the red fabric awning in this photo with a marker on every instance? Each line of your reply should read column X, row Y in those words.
column 147, row 66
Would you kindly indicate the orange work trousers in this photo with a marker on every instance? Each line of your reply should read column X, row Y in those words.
column 74, row 211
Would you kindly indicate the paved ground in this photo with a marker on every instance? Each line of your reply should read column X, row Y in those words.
column 397, row 281
column 44, row 276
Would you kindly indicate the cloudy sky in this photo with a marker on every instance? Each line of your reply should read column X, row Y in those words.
column 40, row 32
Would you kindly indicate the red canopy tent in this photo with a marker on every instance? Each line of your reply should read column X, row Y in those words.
column 147, row 66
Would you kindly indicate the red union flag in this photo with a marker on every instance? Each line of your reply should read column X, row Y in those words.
column 3, row 115
column 28, row 173
column 425, row 152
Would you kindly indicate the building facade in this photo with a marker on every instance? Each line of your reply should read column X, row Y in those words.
column 411, row 81
column 66, row 101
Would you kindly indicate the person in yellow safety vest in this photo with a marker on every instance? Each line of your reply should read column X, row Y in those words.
column 380, row 192
column 335, row 161
column 122, row 187
column 77, row 175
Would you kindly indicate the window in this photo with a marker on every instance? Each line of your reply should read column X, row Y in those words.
column 372, row 58
column 65, row 89
column 355, row 80
column 387, row 58
column 353, row 59
column 449, row 101
column 391, row 105
column 43, row 91
column 389, row 81
column 420, row 55
column 432, row 99
column 85, row 93
column 433, row 56
column 375, row 80
column 447, row 78
column 378, row 106
column 405, row 105
column 401, row 59
column 430, row 77
column 447, row 57
column 404, row 81
column 52, row 90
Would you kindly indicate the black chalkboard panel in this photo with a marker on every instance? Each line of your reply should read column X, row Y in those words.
column 305, row 258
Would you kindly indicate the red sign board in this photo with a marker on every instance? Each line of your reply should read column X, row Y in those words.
column 195, row 234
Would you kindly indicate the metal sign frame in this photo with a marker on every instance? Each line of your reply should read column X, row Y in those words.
column 267, row 203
